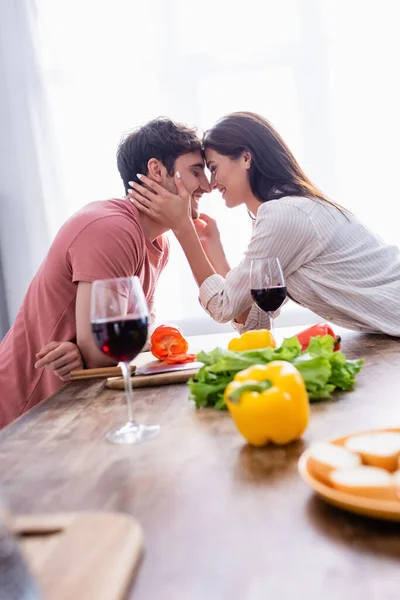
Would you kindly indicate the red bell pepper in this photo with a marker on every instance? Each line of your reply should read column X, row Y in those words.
column 321, row 329
column 169, row 345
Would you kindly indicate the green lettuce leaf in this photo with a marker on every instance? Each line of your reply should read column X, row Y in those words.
column 344, row 371
column 316, row 372
column 322, row 369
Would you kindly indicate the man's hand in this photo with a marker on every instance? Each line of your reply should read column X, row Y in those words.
column 60, row 357
column 171, row 210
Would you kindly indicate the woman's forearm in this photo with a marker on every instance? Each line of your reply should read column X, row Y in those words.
column 218, row 260
column 241, row 319
column 199, row 263
column 202, row 267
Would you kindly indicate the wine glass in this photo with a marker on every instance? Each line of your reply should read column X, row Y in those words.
column 268, row 288
column 119, row 319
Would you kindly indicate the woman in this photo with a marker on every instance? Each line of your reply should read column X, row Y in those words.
column 333, row 265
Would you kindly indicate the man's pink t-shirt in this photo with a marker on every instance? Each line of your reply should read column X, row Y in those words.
column 103, row 240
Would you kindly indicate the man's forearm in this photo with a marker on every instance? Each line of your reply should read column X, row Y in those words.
column 94, row 358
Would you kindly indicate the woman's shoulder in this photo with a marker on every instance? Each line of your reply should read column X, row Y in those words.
column 312, row 208
column 286, row 205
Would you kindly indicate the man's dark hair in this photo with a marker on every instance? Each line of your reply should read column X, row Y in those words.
column 162, row 139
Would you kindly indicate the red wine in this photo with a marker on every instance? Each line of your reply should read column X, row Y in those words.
column 269, row 299
column 121, row 339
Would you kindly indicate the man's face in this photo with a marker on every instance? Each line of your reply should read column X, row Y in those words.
column 191, row 169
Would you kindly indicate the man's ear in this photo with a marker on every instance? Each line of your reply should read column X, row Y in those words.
column 156, row 170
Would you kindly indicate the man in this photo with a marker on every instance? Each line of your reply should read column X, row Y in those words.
column 103, row 240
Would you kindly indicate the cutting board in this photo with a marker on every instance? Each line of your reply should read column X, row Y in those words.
column 88, row 555
column 141, row 381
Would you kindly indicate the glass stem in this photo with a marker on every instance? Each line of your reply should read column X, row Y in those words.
column 271, row 320
column 126, row 372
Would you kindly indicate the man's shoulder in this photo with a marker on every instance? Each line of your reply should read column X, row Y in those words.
column 103, row 217
column 113, row 209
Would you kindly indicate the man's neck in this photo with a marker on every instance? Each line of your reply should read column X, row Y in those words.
column 152, row 229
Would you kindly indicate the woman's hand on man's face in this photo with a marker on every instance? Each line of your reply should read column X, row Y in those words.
column 168, row 209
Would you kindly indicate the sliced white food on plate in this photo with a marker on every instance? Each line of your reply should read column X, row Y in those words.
column 323, row 458
column 377, row 449
column 365, row 481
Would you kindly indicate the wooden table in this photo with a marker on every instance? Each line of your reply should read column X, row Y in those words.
column 222, row 520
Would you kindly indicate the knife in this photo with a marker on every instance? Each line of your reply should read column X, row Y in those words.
column 164, row 368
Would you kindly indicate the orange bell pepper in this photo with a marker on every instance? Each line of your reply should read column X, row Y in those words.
column 168, row 344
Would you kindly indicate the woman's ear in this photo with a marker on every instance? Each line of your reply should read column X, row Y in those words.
column 247, row 159
column 156, row 170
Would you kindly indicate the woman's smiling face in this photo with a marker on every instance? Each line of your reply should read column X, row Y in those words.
column 230, row 177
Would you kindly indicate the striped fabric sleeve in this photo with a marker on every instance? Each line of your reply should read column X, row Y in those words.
column 257, row 319
column 283, row 231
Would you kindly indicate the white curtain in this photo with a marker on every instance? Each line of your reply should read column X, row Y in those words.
column 324, row 72
column 31, row 201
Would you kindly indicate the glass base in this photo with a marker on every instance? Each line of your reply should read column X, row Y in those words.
column 130, row 433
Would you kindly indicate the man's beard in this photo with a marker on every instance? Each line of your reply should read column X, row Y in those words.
column 194, row 210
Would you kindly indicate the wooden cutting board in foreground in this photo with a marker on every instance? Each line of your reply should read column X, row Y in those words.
column 90, row 555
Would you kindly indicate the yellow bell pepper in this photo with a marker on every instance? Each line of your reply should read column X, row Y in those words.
column 269, row 403
column 252, row 340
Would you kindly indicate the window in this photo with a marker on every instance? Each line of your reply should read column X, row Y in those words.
column 112, row 66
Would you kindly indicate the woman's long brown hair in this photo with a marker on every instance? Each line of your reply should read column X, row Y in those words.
column 274, row 171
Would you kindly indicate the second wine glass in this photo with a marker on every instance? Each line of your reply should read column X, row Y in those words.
column 268, row 287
